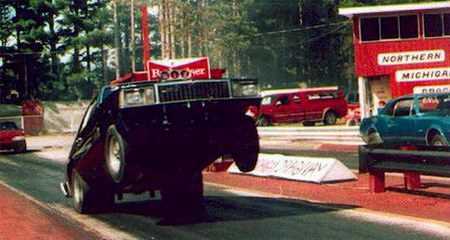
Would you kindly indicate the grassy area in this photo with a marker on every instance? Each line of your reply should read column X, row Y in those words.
column 7, row 110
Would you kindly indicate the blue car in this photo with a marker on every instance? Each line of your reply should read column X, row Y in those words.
column 417, row 120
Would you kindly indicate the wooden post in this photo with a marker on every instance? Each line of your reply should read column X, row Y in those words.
column 363, row 97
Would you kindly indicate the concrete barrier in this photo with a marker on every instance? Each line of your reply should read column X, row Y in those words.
column 63, row 117
column 307, row 169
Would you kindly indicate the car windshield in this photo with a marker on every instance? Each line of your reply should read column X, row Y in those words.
column 267, row 100
column 104, row 93
column 435, row 104
column 8, row 126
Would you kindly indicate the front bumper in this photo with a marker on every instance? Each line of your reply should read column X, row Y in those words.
column 185, row 134
column 12, row 145
column 188, row 112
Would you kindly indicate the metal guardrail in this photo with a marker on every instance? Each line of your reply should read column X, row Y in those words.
column 330, row 133
column 428, row 161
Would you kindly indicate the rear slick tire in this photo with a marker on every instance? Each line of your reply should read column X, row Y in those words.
column 87, row 199
column 115, row 149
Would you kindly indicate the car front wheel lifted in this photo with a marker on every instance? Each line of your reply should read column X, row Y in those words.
column 245, row 152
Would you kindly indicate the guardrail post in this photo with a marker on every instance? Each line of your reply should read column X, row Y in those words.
column 412, row 180
column 377, row 181
column 364, row 159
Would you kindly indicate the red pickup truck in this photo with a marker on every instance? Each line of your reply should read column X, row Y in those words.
column 12, row 137
column 308, row 105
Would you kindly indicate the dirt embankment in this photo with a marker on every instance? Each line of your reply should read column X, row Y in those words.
column 63, row 117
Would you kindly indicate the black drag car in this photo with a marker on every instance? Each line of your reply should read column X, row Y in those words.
column 147, row 136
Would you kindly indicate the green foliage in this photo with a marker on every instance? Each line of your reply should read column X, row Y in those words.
column 56, row 49
column 356, row 3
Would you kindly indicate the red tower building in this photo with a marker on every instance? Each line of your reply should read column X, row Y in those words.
column 399, row 50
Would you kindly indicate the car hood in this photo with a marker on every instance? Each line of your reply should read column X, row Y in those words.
column 9, row 134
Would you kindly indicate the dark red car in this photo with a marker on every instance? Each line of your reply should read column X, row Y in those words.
column 12, row 137
column 309, row 106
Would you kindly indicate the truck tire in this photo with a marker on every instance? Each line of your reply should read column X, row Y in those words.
column 115, row 149
column 86, row 199
column 330, row 118
column 245, row 152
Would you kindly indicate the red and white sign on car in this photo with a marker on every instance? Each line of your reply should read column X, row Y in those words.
column 173, row 69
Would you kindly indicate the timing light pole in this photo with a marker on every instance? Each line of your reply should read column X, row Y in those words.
column 145, row 35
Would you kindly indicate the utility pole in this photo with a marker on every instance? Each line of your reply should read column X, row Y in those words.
column 116, row 39
column 145, row 35
column 25, row 84
column 132, row 44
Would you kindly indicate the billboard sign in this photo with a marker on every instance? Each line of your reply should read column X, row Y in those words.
column 411, row 57
column 426, row 74
column 432, row 89
column 174, row 69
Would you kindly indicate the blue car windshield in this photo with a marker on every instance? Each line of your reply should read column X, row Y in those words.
column 434, row 104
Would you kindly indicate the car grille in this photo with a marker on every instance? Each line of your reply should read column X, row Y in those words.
column 193, row 90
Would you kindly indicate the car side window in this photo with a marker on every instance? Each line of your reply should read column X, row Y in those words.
column 266, row 100
column 88, row 114
column 296, row 99
column 283, row 100
column 428, row 104
column 403, row 108
column 388, row 110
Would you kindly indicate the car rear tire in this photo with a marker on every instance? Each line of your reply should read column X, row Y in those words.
column 263, row 121
column 245, row 152
column 115, row 149
column 330, row 118
column 86, row 199
column 351, row 122
column 439, row 141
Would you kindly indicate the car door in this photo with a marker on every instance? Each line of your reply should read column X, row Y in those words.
column 297, row 107
column 400, row 126
column 282, row 109
column 313, row 110
column 426, row 108
column 88, row 133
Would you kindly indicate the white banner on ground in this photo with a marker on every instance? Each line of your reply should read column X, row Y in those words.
column 308, row 169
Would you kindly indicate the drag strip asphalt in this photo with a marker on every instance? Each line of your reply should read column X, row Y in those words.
column 232, row 214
